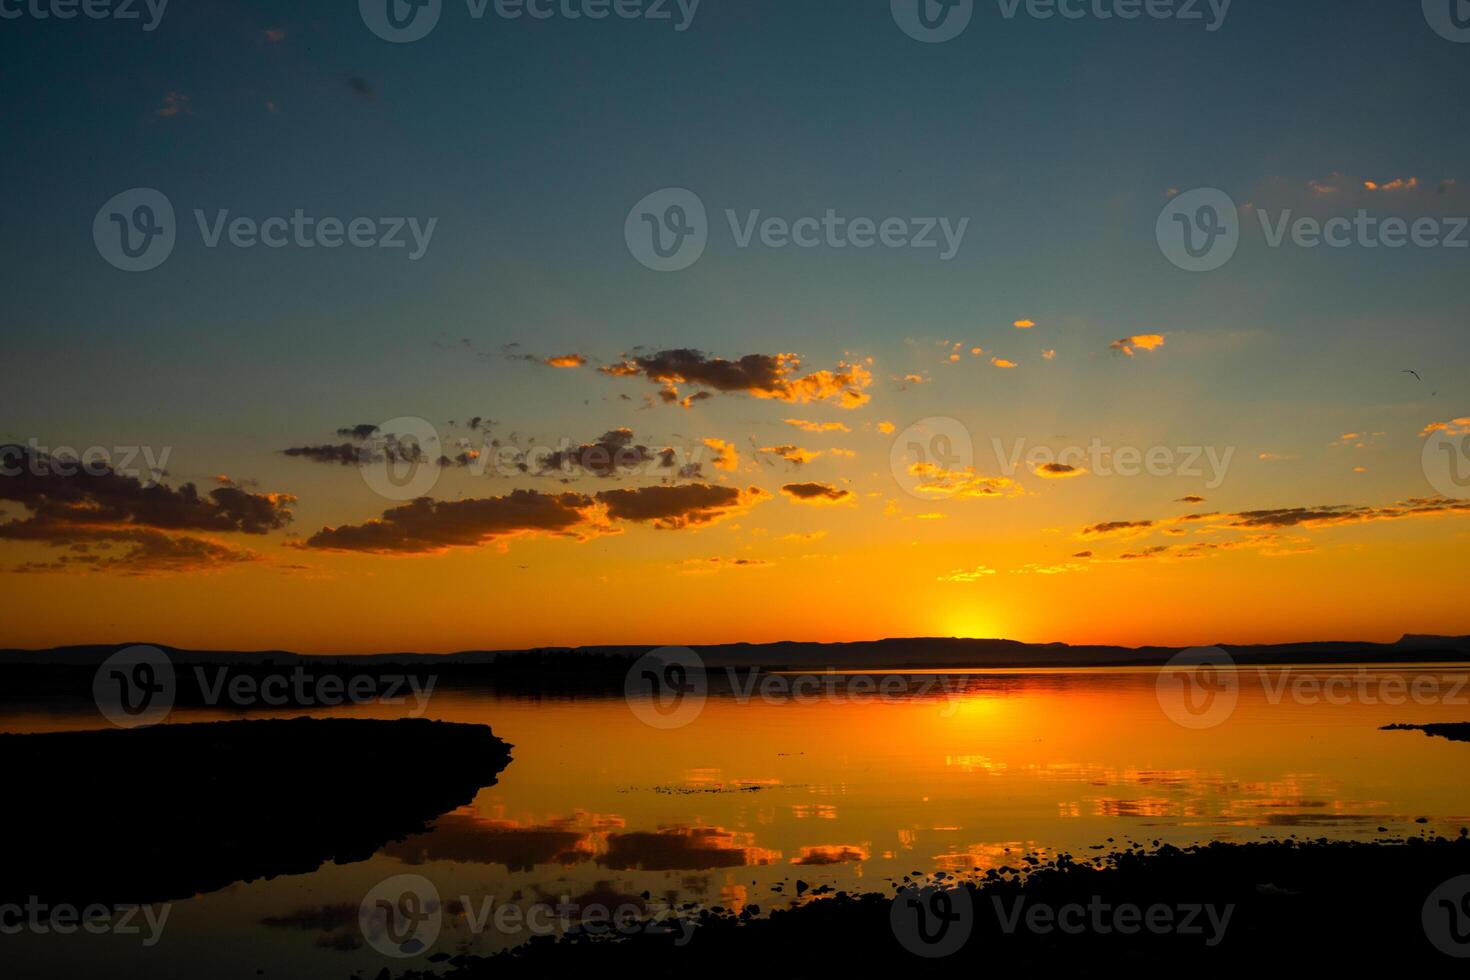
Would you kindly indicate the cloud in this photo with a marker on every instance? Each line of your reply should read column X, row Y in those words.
column 792, row 454
column 274, row 35
column 1271, row 520
column 697, row 565
column 1116, row 528
column 827, row 854
column 965, row 482
column 88, row 508
column 727, row 457
column 887, row 428
column 1024, row 324
column 1146, row 553
column 565, row 361
column 425, row 526
column 1191, row 499
column 677, row 507
column 608, row 456
column 965, row 575
column 1058, row 471
column 1397, row 184
column 1049, row 354
column 817, row 427
column 1454, row 427
column 1001, row 362
column 149, row 552
column 360, row 88
column 1145, row 341
column 684, row 849
column 772, row 376
column 61, row 493
column 175, row 104
column 1335, row 514
column 817, row 493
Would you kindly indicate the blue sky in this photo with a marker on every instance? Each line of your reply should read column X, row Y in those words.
column 529, row 141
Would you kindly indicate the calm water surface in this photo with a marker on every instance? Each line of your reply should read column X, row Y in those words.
column 597, row 806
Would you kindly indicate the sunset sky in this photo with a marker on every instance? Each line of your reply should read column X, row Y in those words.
column 780, row 378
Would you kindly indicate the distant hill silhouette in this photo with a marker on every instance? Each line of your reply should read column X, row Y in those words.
column 912, row 653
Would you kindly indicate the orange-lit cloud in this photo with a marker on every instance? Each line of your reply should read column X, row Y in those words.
column 769, row 376
column 1454, row 427
column 966, row 575
column 1130, row 345
column 1397, row 184
column 726, row 456
column 565, row 361
column 817, row 493
column 792, row 454
column 1058, row 471
column 966, row 482
column 806, row 426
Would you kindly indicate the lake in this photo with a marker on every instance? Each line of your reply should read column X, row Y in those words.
column 848, row 792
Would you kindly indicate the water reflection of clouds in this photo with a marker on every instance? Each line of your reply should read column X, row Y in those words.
column 465, row 837
column 684, row 849
column 825, row 854
column 984, row 857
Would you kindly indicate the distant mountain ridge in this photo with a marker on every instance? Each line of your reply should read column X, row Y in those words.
column 908, row 653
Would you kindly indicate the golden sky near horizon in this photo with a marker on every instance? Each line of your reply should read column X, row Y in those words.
column 833, row 514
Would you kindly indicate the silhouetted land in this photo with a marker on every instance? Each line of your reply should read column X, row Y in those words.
column 1294, row 906
column 163, row 813
column 1454, row 731
column 66, row 673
